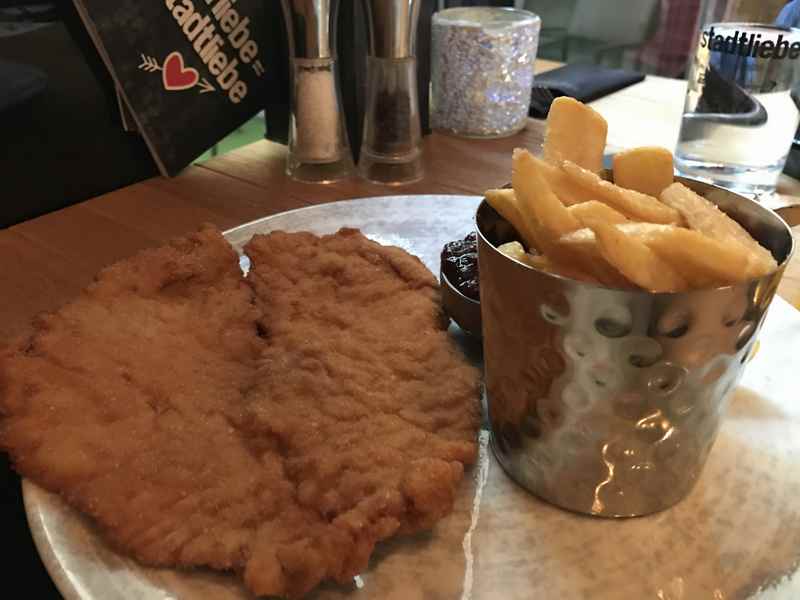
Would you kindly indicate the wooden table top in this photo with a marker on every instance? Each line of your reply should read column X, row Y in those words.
column 46, row 261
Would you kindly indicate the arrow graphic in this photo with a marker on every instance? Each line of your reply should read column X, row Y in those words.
column 206, row 86
column 149, row 64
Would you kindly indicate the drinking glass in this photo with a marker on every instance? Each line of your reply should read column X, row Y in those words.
column 740, row 114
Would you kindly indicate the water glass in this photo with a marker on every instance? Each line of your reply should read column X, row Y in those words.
column 740, row 114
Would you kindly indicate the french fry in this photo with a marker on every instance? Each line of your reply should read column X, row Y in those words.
column 568, row 191
column 506, row 204
column 596, row 210
column 550, row 220
column 642, row 229
column 586, row 236
column 699, row 271
column 704, row 216
column 635, row 260
column 513, row 250
column 702, row 260
column 647, row 169
column 580, row 250
column 539, row 261
column 547, row 216
column 575, row 132
column 543, row 263
column 629, row 202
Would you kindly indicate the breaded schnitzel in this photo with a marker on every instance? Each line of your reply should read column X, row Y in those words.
column 372, row 406
column 120, row 401
column 278, row 427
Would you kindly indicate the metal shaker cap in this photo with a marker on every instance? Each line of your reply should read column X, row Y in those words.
column 311, row 27
column 392, row 27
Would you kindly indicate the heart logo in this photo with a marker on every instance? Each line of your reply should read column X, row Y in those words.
column 176, row 76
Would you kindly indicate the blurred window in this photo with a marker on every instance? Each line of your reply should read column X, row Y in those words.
column 653, row 36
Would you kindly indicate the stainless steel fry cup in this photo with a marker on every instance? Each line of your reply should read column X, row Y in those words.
column 607, row 402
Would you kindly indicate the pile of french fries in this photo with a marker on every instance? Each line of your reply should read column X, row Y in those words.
column 644, row 231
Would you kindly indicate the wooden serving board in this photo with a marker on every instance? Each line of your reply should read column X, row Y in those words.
column 737, row 536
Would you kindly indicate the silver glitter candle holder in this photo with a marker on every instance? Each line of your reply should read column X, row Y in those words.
column 482, row 62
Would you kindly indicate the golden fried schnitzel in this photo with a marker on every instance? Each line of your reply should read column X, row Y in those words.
column 370, row 404
column 277, row 426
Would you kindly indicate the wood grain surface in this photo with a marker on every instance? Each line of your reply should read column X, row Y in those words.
column 46, row 261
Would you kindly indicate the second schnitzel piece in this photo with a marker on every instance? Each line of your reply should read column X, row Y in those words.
column 372, row 407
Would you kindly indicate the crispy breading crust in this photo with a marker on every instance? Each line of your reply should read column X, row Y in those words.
column 371, row 404
column 279, row 427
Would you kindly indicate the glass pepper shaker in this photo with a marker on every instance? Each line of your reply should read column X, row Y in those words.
column 391, row 150
column 319, row 151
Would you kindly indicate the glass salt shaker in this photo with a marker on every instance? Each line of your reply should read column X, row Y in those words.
column 319, row 151
column 391, row 151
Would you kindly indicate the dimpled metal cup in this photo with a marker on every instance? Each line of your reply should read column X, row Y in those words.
column 607, row 402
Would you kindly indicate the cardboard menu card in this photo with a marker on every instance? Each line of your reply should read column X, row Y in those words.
column 188, row 71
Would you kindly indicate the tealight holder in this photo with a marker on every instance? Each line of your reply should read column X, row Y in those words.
column 482, row 67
